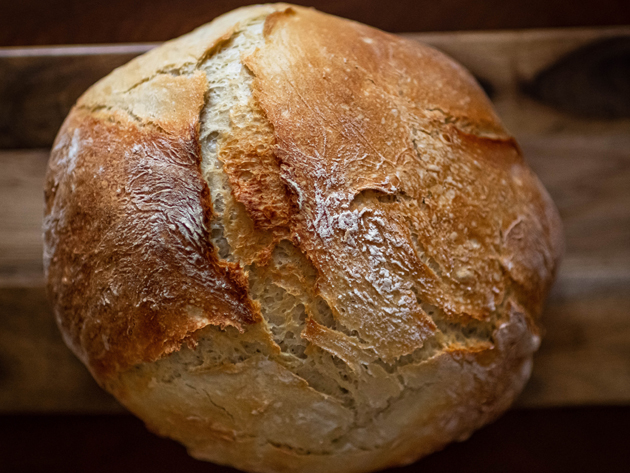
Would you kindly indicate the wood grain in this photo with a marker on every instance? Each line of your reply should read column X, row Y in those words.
column 38, row 373
column 601, row 67
column 509, row 62
column 584, row 359
column 39, row 85
column 21, row 212
column 585, row 355
column 583, row 160
column 587, row 176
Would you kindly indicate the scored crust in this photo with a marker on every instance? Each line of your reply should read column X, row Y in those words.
column 296, row 243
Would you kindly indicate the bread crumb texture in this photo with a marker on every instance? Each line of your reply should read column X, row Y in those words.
column 293, row 242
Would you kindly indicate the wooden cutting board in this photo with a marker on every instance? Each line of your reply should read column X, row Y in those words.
column 565, row 95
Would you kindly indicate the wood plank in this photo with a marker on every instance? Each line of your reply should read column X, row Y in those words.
column 508, row 63
column 584, row 359
column 38, row 373
column 39, row 85
column 584, row 161
column 587, row 176
column 21, row 212
column 585, row 354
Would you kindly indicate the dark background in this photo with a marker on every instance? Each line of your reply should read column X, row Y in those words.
column 39, row 22
column 569, row 439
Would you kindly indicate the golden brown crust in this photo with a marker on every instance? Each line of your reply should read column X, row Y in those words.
column 384, row 249
column 419, row 131
column 131, row 272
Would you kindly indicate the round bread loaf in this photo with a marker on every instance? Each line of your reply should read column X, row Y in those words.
column 295, row 243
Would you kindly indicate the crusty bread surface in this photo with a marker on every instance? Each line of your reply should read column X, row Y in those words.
column 295, row 243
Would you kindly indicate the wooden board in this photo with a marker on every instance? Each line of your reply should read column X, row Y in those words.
column 39, row 85
column 577, row 139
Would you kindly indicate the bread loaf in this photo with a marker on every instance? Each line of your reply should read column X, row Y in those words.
column 295, row 243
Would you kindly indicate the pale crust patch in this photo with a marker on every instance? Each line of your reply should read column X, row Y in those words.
column 253, row 170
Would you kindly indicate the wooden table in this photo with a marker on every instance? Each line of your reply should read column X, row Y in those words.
column 565, row 95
